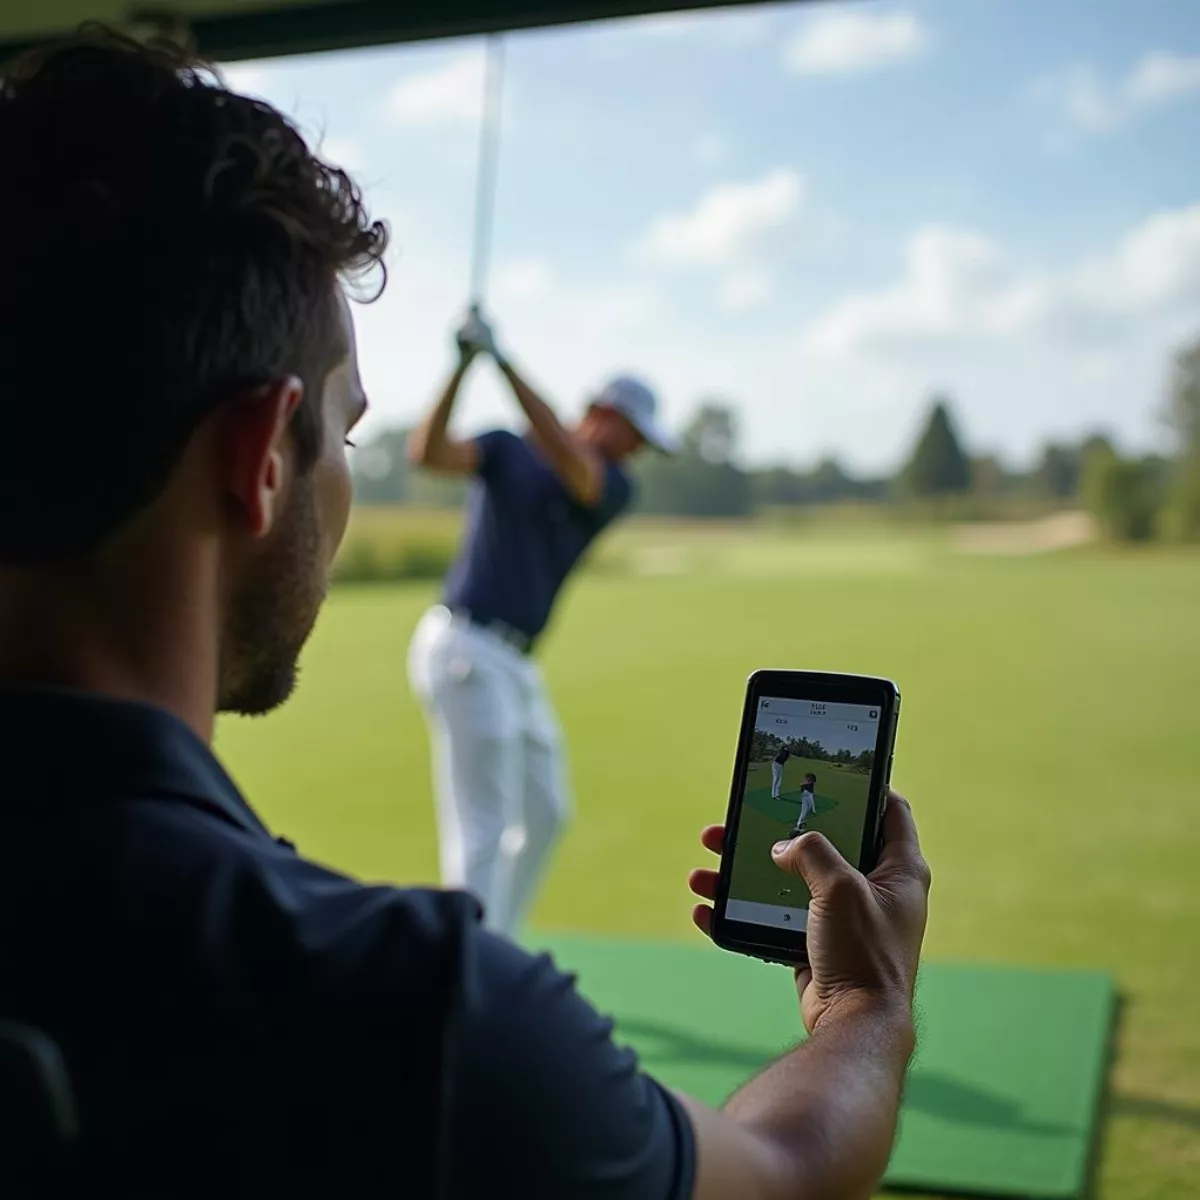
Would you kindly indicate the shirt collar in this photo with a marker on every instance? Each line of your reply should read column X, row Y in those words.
column 61, row 742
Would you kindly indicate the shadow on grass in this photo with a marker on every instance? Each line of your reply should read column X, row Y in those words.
column 935, row 1095
column 952, row 1100
column 1185, row 1115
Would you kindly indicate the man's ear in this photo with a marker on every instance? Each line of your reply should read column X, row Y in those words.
column 256, row 455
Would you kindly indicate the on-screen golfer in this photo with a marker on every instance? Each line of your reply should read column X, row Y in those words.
column 536, row 503
column 777, row 770
column 808, row 804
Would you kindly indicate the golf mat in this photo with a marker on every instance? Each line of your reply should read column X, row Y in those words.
column 1003, row 1095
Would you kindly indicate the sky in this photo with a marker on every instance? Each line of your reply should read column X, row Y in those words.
column 819, row 213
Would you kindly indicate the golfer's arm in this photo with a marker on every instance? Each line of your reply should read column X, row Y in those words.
column 580, row 471
column 819, row 1123
column 430, row 445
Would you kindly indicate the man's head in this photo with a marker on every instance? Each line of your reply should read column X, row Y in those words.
column 810, row 781
column 177, row 359
column 622, row 419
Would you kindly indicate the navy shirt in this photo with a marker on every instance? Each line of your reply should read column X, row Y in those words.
column 239, row 1021
column 523, row 534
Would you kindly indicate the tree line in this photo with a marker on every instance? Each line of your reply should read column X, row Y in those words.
column 765, row 745
column 1132, row 498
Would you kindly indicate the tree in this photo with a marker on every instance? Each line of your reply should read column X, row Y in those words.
column 383, row 475
column 1181, row 512
column 1057, row 475
column 1183, row 402
column 712, row 435
column 938, row 466
column 988, row 476
column 703, row 480
column 381, row 471
column 1180, row 518
column 1123, row 494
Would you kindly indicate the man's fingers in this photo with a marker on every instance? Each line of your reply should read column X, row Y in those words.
column 713, row 839
column 704, row 883
column 814, row 859
column 702, row 918
column 901, row 845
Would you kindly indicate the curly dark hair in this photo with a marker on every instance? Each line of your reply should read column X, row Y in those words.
column 166, row 244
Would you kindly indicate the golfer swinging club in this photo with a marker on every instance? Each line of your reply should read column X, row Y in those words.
column 808, row 804
column 536, row 503
column 777, row 770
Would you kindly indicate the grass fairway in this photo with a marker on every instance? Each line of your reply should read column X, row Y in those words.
column 1049, row 742
column 841, row 805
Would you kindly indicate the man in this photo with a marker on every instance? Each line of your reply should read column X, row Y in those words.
column 178, row 380
column 536, row 504
column 777, row 766
column 808, row 804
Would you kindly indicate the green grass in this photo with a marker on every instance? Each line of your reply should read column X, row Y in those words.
column 1049, row 744
column 841, row 806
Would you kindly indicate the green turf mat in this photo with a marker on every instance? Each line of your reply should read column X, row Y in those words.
column 1003, row 1096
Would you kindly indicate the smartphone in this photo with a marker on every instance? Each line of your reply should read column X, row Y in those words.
column 815, row 752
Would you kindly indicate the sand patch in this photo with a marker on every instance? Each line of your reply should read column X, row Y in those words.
column 1058, row 532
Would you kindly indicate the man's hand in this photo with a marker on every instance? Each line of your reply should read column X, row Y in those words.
column 864, row 932
column 475, row 336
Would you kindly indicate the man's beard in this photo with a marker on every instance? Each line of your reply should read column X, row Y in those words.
column 272, row 614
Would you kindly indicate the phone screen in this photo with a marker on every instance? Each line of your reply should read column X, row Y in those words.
column 810, row 767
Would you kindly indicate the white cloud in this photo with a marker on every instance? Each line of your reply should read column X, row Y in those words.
column 958, row 286
column 1161, row 78
column 1083, row 102
column 842, row 43
column 728, row 222
column 739, row 28
column 739, row 229
column 449, row 94
column 1154, row 268
column 524, row 279
column 955, row 282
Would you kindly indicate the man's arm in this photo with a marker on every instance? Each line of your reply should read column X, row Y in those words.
column 430, row 445
column 819, row 1124
column 579, row 470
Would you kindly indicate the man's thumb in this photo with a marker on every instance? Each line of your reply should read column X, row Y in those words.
column 812, row 857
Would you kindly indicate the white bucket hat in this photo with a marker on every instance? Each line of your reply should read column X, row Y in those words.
column 639, row 406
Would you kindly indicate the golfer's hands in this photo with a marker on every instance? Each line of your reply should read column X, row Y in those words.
column 473, row 337
column 864, row 933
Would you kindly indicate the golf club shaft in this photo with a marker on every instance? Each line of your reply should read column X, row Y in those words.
column 485, row 187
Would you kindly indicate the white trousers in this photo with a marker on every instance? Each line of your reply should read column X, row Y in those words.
column 776, row 779
column 498, row 763
column 808, row 806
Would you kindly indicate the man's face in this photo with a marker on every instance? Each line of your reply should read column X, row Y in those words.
column 276, row 602
column 610, row 433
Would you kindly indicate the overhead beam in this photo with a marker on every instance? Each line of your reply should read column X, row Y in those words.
column 311, row 28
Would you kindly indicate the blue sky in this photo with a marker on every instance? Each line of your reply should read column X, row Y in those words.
column 818, row 212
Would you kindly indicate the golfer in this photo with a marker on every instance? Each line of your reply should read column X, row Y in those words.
column 808, row 804
column 777, row 771
column 536, row 503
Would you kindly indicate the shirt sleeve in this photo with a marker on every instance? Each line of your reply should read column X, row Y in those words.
column 495, row 452
column 617, row 494
column 547, row 1105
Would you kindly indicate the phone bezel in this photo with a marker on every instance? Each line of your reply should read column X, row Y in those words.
column 763, row 941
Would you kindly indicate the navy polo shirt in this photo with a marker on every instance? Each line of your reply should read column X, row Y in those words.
column 523, row 534
column 240, row 1021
